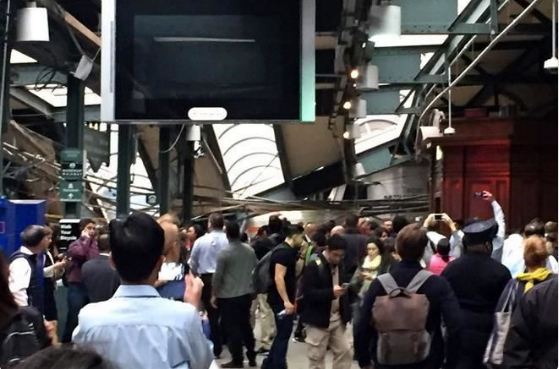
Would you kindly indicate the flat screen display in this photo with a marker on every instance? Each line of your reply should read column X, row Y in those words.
column 243, row 56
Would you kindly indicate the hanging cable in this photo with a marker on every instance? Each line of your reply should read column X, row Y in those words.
column 174, row 143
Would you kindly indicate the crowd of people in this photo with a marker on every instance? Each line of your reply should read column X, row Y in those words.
column 144, row 293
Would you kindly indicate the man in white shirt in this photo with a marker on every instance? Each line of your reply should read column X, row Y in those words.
column 26, row 268
column 137, row 328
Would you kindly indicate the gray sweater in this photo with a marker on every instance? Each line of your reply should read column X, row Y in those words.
column 233, row 275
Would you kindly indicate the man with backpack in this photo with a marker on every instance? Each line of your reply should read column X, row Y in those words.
column 281, row 293
column 327, row 310
column 401, row 314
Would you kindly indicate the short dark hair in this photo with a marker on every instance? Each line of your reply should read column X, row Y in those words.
column 379, row 231
column 33, row 235
column 198, row 229
column 262, row 230
column 320, row 239
column 390, row 245
column 104, row 242
column 85, row 222
column 443, row 248
column 337, row 242
column 65, row 357
column 275, row 224
column 351, row 221
column 216, row 220
column 535, row 228
column 293, row 230
column 137, row 244
column 399, row 222
column 233, row 230
column 411, row 242
column 373, row 224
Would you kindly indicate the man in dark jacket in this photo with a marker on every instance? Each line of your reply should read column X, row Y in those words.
column 478, row 281
column 326, row 311
column 410, row 244
column 356, row 248
column 100, row 279
column 532, row 338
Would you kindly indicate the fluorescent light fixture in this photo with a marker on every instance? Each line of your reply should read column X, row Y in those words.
column 204, row 39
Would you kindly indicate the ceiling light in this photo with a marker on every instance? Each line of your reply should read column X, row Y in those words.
column 32, row 24
column 347, row 105
column 354, row 74
column 385, row 22
column 347, row 135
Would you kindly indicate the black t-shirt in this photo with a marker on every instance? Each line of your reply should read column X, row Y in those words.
column 286, row 256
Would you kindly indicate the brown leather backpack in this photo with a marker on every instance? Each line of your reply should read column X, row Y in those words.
column 400, row 319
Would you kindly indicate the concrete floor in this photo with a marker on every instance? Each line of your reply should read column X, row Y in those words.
column 296, row 357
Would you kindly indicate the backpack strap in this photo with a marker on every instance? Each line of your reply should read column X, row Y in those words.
column 388, row 283
column 418, row 281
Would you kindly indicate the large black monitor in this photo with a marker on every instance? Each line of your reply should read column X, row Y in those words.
column 164, row 59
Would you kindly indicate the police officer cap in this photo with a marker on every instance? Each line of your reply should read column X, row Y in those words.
column 479, row 233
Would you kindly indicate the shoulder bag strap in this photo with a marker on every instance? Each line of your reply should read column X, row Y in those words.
column 418, row 281
column 388, row 283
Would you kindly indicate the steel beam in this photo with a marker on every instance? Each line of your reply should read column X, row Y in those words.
column 215, row 151
column 163, row 170
column 91, row 113
column 32, row 101
column 282, row 152
column 188, row 183
column 32, row 74
column 125, row 137
column 74, row 132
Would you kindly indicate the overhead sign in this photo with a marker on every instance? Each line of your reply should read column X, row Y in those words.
column 97, row 145
column 72, row 164
column 151, row 199
column 69, row 232
column 71, row 191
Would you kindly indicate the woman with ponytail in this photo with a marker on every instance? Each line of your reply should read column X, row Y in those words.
column 441, row 259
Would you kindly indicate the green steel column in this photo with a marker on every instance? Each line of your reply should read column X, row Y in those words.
column 163, row 170
column 188, row 183
column 74, row 132
column 125, row 137
column 5, row 86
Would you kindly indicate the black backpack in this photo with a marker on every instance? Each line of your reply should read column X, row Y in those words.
column 18, row 340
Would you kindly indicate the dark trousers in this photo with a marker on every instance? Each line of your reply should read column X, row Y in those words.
column 213, row 314
column 77, row 299
column 235, row 323
column 277, row 357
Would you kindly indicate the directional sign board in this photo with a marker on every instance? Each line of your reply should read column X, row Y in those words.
column 69, row 232
column 71, row 191
column 72, row 164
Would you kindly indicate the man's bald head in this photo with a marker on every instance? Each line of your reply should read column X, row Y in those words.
column 310, row 229
column 337, row 230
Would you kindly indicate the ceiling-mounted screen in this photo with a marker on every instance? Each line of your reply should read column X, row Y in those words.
column 252, row 58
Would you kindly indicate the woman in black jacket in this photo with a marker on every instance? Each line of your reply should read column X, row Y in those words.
column 532, row 339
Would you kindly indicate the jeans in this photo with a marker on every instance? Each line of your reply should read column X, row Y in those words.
column 77, row 299
column 235, row 323
column 277, row 357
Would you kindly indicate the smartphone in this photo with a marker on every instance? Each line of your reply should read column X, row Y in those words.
column 345, row 285
column 478, row 194
column 438, row 217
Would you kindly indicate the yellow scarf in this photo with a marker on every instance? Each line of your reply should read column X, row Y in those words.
column 539, row 275
column 371, row 265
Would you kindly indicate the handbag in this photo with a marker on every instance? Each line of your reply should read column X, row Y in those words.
column 501, row 324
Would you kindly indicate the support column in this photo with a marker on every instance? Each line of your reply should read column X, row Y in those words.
column 74, row 132
column 125, row 138
column 188, row 183
column 5, row 86
column 163, row 170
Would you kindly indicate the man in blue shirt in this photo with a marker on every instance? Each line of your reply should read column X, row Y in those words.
column 203, row 262
column 137, row 328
